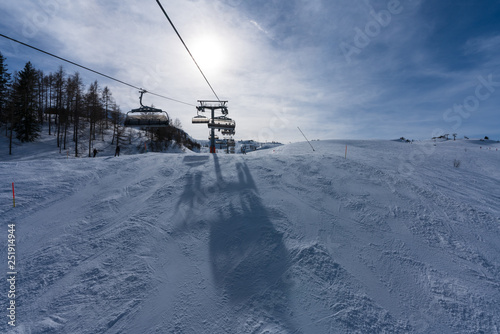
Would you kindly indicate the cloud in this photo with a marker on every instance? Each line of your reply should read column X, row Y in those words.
column 259, row 27
column 283, row 62
column 483, row 45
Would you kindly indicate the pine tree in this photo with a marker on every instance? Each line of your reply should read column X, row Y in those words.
column 24, row 98
column 5, row 83
column 6, row 105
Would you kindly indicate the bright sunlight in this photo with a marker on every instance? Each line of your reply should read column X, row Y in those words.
column 209, row 52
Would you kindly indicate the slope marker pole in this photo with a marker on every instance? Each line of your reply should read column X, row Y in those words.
column 13, row 195
column 306, row 139
column 346, row 152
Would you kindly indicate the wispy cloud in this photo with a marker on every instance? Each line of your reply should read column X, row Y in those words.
column 259, row 27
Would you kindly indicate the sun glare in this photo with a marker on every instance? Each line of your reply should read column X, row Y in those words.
column 209, row 53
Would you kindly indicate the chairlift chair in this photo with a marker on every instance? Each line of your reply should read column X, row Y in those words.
column 146, row 117
column 228, row 132
column 221, row 123
column 200, row 119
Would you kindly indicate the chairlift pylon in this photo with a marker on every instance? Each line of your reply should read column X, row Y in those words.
column 220, row 123
column 146, row 117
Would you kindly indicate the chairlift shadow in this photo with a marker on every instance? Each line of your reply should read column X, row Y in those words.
column 195, row 160
column 248, row 258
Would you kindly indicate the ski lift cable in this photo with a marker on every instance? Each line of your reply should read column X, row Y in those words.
column 192, row 57
column 93, row 71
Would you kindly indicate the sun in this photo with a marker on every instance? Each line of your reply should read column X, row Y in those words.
column 209, row 52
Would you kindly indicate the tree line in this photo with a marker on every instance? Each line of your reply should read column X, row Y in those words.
column 30, row 99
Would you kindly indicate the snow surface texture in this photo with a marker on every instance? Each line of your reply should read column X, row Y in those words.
column 393, row 239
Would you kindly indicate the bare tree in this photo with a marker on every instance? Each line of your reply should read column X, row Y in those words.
column 116, row 119
column 177, row 123
column 94, row 110
column 49, row 82
column 42, row 88
column 59, row 97
column 75, row 91
column 107, row 101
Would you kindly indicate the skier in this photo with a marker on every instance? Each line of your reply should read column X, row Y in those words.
column 117, row 151
column 95, row 152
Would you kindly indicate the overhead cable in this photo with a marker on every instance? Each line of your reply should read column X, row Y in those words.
column 91, row 70
column 192, row 57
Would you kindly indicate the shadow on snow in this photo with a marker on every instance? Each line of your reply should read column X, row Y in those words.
column 247, row 255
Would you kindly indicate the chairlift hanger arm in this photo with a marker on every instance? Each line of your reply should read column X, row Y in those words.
column 146, row 117
column 142, row 91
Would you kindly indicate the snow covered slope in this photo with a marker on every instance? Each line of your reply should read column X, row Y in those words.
column 393, row 239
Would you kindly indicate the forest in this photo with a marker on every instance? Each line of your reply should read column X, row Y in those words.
column 31, row 100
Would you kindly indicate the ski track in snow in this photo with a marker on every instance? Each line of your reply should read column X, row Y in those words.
column 283, row 240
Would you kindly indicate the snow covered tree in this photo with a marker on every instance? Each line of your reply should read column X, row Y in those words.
column 24, row 98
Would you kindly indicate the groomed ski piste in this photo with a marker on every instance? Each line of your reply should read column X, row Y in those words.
column 393, row 239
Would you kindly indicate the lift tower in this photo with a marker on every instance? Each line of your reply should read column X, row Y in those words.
column 220, row 122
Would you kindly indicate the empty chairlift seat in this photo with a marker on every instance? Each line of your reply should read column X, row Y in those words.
column 200, row 119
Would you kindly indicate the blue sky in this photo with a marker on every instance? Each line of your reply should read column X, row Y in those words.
column 339, row 69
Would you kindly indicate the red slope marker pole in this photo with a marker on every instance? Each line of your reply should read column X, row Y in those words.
column 13, row 195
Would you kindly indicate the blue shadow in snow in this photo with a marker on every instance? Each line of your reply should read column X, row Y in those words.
column 248, row 257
